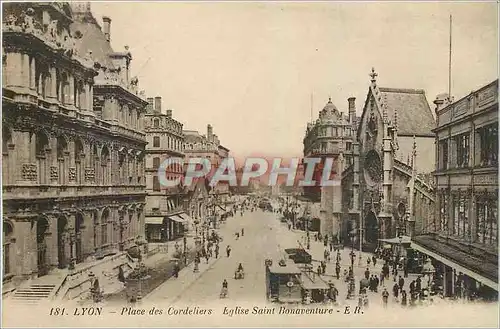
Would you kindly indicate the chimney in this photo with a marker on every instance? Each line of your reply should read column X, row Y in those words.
column 149, row 107
column 169, row 113
column 441, row 101
column 158, row 104
column 209, row 132
column 352, row 104
column 106, row 27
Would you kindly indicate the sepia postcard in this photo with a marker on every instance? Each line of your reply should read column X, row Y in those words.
column 250, row 164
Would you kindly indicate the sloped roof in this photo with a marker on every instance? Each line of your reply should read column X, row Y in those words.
column 192, row 136
column 92, row 39
column 414, row 116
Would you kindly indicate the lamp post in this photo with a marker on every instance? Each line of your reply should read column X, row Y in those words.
column 185, row 250
column 399, row 249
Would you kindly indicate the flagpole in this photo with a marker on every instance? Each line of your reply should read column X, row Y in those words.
column 449, row 60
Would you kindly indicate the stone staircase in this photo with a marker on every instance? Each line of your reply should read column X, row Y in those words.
column 33, row 294
column 62, row 285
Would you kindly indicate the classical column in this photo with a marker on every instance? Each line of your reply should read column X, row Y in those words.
column 33, row 85
column 70, row 101
column 14, row 67
column 52, row 89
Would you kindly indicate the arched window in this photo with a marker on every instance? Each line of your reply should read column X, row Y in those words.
column 104, row 226
column 43, row 160
column 8, row 233
column 62, row 149
column 104, row 165
column 78, row 154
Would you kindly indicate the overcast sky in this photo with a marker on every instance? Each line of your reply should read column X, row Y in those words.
column 249, row 68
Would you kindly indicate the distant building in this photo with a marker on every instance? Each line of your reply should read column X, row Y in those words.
column 331, row 136
column 209, row 147
column 388, row 190
column 165, row 218
column 462, row 241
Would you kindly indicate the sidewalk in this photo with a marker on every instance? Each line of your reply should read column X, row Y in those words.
column 171, row 289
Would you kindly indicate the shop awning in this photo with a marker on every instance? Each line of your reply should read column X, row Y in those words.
column 404, row 240
column 177, row 218
column 154, row 220
column 477, row 268
column 186, row 217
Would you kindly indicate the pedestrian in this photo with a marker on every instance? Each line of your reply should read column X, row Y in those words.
column 176, row 269
column 412, row 287
column 382, row 277
column 217, row 250
column 367, row 274
column 228, row 251
column 395, row 291
column 368, row 260
column 404, row 298
column 345, row 274
column 418, row 285
column 385, row 297
column 242, row 232
column 376, row 282
column 339, row 258
column 323, row 267
column 331, row 246
column 319, row 269
column 405, row 269
column 374, row 260
column 401, row 283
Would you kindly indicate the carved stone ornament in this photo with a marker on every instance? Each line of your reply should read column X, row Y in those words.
column 72, row 174
column 89, row 174
column 29, row 171
column 54, row 173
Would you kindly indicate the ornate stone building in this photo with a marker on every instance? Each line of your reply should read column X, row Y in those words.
column 208, row 146
column 463, row 239
column 165, row 219
column 388, row 191
column 73, row 174
column 331, row 136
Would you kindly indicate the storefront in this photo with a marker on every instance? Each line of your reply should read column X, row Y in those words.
column 167, row 228
column 459, row 273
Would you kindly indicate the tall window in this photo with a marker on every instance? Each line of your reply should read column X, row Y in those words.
column 443, row 213
column 156, row 184
column 156, row 141
column 488, row 139
column 462, row 145
column 487, row 221
column 460, row 216
column 156, row 163
column 443, row 154
column 96, row 229
column 156, row 123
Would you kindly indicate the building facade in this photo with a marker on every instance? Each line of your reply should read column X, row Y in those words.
column 164, row 205
column 388, row 190
column 331, row 136
column 463, row 240
column 73, row 174
column 209, row 147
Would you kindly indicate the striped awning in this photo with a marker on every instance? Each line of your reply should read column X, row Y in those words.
column 177, row 218
column 186, row 217
column 154, row 220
